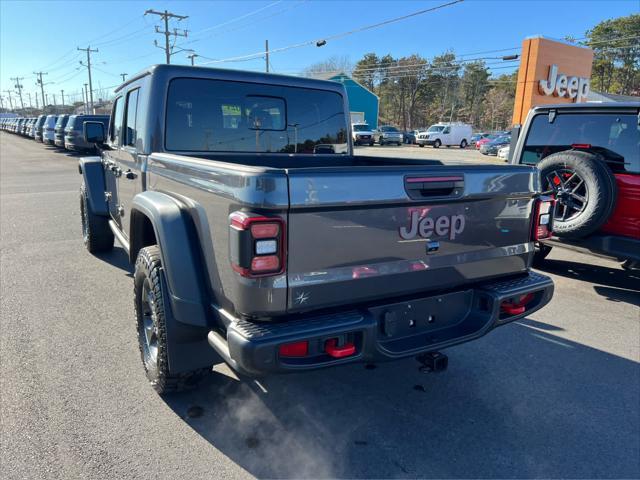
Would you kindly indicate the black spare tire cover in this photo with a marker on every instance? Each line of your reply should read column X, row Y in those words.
column 584, row 188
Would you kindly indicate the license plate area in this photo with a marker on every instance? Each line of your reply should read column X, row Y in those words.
column 413, row 324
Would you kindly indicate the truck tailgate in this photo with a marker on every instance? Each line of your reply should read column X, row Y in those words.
column 362, row 234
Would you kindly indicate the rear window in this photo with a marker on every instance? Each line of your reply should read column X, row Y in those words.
column 616, row 136
column 220, row 116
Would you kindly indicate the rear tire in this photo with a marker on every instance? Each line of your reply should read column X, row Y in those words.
column 584, row 188
column 421, row 145
column 151, row 323
column 96, row 233
column 463, row 143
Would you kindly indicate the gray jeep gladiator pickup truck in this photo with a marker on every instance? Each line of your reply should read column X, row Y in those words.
column 259, row 238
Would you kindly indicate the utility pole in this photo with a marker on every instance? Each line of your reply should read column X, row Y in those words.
column 39, row 82
column 46, row 99
column 29, row 95
column 166, row 15
column 192, row 56
column 88, row 65
column 124, row 76
column 10, row 101
column 266, row 49
column 1, row 102
column 19, row 87
column 54, row 99
column 62, row 94
column 85, row 96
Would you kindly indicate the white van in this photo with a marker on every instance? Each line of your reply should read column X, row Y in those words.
column 48, row 134
column 447, row 134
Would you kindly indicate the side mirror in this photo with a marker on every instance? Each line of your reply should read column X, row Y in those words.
column 93, row 132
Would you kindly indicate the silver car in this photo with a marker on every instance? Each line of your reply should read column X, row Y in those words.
column 388, row 134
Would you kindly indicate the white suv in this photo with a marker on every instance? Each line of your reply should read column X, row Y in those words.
column 48, row 133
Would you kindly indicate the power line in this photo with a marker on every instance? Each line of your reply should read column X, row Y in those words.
column 237, row 19
column 245, row 25
column 336, row 36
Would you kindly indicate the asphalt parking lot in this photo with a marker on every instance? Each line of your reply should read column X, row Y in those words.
column 452, row 155
column 554, row 395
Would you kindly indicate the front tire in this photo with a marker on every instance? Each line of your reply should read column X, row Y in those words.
column 437, row 143
column 151, row 323
column 96, row 233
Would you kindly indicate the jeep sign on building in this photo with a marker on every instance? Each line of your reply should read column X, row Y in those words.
column 551, row 71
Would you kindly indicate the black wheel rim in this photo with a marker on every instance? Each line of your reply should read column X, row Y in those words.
column 570, row 191
column 149, row 325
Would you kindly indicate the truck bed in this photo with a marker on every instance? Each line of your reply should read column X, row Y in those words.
column 350, row 224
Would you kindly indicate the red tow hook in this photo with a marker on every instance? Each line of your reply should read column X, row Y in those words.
column 339, row 352
column 518, row 307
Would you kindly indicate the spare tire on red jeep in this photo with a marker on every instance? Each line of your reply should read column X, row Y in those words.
column 584, row 188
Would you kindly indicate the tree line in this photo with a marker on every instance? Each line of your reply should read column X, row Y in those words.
column 416, row 92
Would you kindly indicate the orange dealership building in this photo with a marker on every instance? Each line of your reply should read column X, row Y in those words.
column 551, row 71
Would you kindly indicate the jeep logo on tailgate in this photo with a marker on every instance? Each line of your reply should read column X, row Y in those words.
column 427, row 227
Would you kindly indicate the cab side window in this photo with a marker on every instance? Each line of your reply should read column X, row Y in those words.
column 115, row 126
column 132, row 113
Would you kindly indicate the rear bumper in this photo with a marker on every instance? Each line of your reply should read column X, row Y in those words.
column 382, row 332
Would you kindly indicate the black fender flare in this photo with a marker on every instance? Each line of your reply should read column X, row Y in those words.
column 92, row 173
column 183, row 270
column 179, row 250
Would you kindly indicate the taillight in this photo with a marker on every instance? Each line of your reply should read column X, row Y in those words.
column 257, row 244
column 543, row 218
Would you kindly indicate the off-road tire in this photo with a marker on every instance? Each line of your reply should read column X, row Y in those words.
column 437, row 143
column 96, row 233
column 601, row 191
column 149, row 269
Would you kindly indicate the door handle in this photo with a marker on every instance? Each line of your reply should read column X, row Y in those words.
column 129, row 175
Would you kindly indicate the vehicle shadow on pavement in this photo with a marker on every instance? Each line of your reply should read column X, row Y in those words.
column 517, row 403
column 118, row 258
column 624, row 284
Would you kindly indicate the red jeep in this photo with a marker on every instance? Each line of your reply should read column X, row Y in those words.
column 589, row 160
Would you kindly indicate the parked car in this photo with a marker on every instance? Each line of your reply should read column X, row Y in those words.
column 362, row 134
column 477, row 137
column 73, row 136
column 410, row 136
column 59, row 130
column 239, row 240
column 387, row 134
column 40, row 127
column 491, row 148
column 503, row 152
column 447, row 134
column 588, row 156
column 485, row 140
column 48, row 130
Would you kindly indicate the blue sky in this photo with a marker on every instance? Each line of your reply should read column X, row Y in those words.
column 43, row 36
